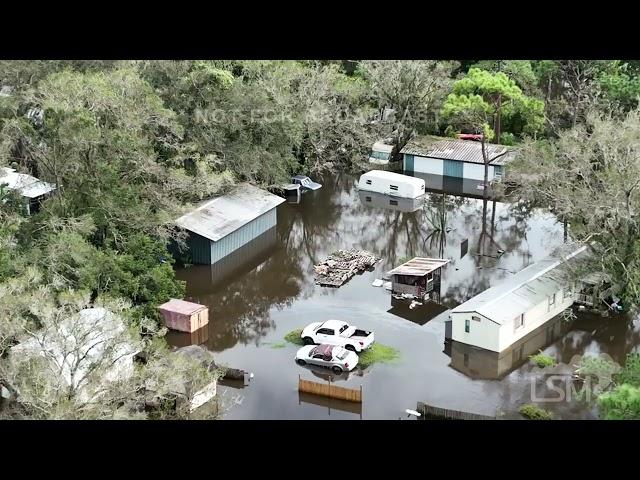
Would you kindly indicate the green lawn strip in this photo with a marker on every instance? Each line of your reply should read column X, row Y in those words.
column 377, row 353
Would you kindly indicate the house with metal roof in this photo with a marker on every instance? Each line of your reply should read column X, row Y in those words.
column 508, row 311
column 222, row 225
column 29, row 187
column 451, row 158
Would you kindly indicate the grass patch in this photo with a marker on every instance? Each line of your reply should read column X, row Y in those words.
column 533, row 412
column 378, row 353
column 542, row 360
column 294, row 337
column 278, row 345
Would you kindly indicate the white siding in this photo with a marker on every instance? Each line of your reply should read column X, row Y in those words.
column 483, row 334
column 433, row 166
column 491, row 336
column 533, row 318
column 475, row 171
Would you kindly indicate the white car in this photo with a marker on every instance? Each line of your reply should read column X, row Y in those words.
column 337, row 332
column 336, row 358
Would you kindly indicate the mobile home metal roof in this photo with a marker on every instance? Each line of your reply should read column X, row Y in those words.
column 27, row 185
column 527, row 288
column 217, row 218
column 418, row 266
column 469, row 151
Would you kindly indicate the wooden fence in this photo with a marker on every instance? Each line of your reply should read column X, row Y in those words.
column 330, row 390
column 431, row 412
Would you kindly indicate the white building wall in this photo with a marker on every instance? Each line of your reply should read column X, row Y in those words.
column 483, row 333
column 433, row 166
column 491, row 336
column 533, row 318
column 475, row 171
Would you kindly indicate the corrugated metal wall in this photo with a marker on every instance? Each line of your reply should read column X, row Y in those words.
column 199, row 249
column 243, row 235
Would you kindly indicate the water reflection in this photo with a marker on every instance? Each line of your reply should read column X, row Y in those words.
column 270, row 291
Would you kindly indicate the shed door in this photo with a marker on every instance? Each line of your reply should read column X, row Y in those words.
column 408, row 162
column 453, row 169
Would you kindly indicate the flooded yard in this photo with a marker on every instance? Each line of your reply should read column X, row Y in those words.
column 265, row 290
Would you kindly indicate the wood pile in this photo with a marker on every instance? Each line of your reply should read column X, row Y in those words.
column 342, row 265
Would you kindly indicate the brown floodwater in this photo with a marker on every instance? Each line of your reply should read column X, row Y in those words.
column 265, row 290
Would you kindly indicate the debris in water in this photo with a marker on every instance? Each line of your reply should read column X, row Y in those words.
column 377, row 282
column 342, row 265
column 388, row 285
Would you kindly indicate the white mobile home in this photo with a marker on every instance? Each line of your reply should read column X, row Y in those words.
column 506, row 312
column 389, row 183
column 450, row 157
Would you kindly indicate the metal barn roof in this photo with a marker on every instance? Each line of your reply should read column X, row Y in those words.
column 223, row 215
column 527, row 288
column 454, row 149
column 418, row 266
column 27, row 185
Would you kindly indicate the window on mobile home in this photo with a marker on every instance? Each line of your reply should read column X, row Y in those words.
column 393, row 187
column 368, row 182
column 552, row 301
column 467, row 326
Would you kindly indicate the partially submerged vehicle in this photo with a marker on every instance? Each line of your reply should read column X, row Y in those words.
column 305, row 183
column 394, row 184
column 336, row 358
column 380, row 153
column 337, row 332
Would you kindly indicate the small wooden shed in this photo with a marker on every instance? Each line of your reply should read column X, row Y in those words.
column 184, row 316
column 417, row 277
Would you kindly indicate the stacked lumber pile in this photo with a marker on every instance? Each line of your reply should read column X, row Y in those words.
column 342, row 265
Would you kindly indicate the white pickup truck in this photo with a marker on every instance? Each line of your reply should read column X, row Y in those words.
column 336, row 332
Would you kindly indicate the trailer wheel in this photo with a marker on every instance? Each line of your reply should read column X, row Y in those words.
column 336, row 369
column 301, row 362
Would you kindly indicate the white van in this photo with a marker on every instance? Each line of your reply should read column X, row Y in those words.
column 389, row 183
column 380, row 153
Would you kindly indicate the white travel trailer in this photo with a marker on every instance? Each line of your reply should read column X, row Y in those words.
column 389, row 183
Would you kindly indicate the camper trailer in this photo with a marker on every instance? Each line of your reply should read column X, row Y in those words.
column 380, row 153
column 389, row 183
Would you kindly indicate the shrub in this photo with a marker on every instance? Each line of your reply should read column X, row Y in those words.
column 542, row 360
column 533, row 412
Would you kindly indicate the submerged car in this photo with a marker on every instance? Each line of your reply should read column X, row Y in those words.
column 305, row 182
column 336, row 358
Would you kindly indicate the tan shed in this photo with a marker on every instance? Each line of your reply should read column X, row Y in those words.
column 184, row 316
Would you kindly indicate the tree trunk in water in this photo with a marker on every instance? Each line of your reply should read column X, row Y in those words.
column 486, row 170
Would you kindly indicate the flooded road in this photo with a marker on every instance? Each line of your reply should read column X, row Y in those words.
column 265, row 290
